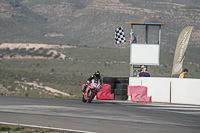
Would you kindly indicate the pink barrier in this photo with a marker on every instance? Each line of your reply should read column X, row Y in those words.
column 105, row 88
column 105, row 96
column 104, row 93
column 138, row 94
column 83, row 87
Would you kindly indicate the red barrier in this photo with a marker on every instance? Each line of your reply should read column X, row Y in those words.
column 104, row 93
column 138, row 94
column 105, row 88
column 83, row 87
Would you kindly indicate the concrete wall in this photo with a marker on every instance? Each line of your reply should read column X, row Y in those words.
column 183, row 91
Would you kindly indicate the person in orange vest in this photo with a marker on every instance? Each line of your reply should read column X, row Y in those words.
column 182, row 75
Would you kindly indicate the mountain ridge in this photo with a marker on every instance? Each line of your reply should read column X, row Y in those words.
column 92, row 23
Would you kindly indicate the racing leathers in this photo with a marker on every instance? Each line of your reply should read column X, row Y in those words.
column 97, row 79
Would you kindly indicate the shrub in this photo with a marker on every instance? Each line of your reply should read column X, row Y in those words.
column 4, row 128
column 49, row 55
column 56, row 56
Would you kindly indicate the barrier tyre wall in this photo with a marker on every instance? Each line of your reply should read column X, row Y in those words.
column 109, row 80
column 112, row 91
column 121, row 86
column 118, row 86
column 120, row 92
column 124, row 80
column 121, row 97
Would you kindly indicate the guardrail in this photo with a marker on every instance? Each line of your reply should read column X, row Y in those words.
column 170, row 90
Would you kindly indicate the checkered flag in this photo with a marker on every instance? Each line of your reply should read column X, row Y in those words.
column 119, row 35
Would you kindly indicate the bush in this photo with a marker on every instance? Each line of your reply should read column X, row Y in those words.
column 15, row 50
column 18, row 128
column 12, row 55
column 56, row 56
column 49, row 55
column 4, row 128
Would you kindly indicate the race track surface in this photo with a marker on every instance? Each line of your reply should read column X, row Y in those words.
column 101, row 116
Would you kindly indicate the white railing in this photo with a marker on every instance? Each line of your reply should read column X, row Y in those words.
column 170, row 90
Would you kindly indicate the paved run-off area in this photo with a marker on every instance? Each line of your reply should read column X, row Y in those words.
column 101, row 116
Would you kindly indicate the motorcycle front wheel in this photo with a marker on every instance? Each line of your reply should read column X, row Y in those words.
column 91, row 97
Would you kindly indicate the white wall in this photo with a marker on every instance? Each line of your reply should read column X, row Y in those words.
column 183, row 91
column 186, row 91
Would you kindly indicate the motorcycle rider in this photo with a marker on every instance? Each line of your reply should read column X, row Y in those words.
column 96, row 76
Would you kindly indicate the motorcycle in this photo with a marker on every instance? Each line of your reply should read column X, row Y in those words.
column 91, row 91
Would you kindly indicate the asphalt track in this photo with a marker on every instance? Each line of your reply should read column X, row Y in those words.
column 101, row 116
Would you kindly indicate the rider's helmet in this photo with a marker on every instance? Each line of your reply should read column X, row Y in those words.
column 97, row 74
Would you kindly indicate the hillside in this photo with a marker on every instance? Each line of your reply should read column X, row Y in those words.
column 29, row 70
column 92, row 22
column 48, row 48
